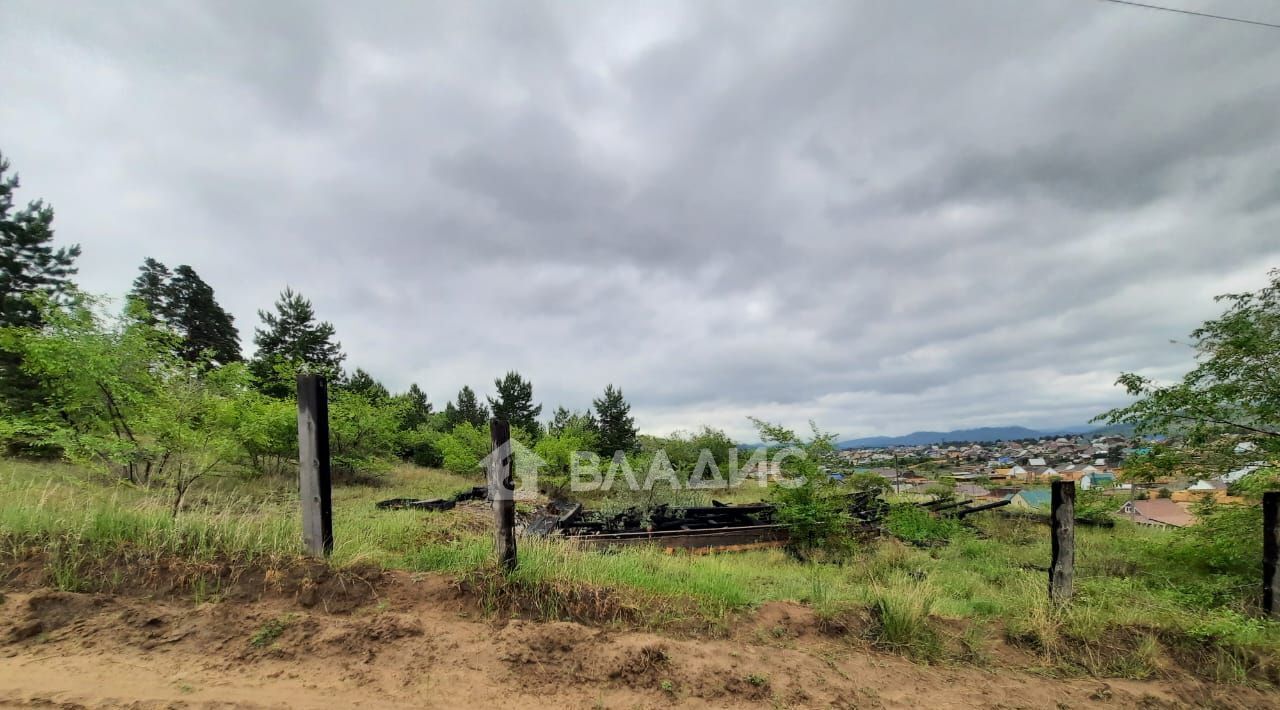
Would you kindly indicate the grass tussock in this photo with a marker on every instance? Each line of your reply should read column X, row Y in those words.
column 901, row 608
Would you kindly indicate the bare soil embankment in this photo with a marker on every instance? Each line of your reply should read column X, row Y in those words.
column 309, row 637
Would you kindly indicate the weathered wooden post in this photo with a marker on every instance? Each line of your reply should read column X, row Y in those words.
column 1270, row 552
column 314, row 476
column 502, row 470
column 1062, row 522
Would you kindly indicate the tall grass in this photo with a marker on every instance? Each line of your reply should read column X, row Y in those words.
column 902, row 608
column 1133, row 599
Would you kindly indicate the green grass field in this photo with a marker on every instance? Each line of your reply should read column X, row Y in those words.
column 1136, row 607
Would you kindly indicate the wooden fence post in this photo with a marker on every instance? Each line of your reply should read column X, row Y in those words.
column 502, row 469
column 1062, row 522
column 1270, row 552
column 314, row 476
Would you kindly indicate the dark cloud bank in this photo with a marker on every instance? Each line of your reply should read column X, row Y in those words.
column 885, row 216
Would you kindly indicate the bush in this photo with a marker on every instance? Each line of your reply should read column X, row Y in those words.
column 462, row 449
column 1094, row 506
column 556, row 449
column 808, row 502
column 422, row 447
column 1226, row 539
column 911, row 523
column 363, row 433
column 267, row 430
column 684, row 449
column 868, row 481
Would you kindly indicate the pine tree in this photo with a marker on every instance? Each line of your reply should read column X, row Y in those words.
column 364, row 384
column 28, row 262
column 614, row 422
column 151, row 289
column 419, row 410
column 208, row 332
column 515, row 403
column 183, row 303
column 291, row 341
column 29, row 265
column 467, row 409
column 563, row 420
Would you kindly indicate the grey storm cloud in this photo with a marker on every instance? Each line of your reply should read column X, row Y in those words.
column 882, row 216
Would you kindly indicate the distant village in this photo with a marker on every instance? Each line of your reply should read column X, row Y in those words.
column 1021, row 471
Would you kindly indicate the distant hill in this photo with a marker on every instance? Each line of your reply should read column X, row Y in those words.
column 982, row 434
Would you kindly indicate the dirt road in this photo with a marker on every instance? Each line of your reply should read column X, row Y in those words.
column 418, row 644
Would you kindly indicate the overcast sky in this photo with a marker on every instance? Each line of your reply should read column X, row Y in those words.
column 885, row 216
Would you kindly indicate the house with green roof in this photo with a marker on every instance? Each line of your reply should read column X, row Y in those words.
column 1030, row 499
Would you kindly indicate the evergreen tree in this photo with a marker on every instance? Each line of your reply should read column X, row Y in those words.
column 208, row 332
column 515, row 403
column 564, row 420
column 363, row 383
column 290, row 341
column 28, row 262
column 183, row 303
column 151, row 289
column 467, row 409
column 614, row 422
column 419, row 409
column 29, row 265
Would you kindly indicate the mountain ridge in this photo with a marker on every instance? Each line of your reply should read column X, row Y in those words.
column 979, row 434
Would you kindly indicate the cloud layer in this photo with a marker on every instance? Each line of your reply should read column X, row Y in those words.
column 885, row 216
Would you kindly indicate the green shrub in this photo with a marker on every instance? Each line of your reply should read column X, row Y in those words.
column 363, row 432
column 1226, row 539
column 911, row 523
column 462, row 449
column 808, row 502
column 267, row 430
column 1094, row 505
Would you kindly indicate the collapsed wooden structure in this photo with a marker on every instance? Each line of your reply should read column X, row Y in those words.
column 717, row 527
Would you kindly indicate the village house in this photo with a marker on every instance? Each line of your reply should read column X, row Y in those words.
column 1037, row 499
column 1158, row 512
column 970, row 490
column 1094, row 479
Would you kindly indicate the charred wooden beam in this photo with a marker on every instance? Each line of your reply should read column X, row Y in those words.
column 687, row 539
column 980, row 508
column 952, row 504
